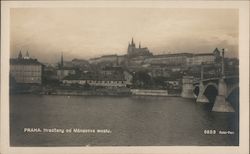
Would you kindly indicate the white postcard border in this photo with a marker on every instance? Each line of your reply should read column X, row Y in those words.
column 243, row 147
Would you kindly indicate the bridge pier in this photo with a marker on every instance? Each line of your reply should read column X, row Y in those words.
column 220, row 104
column 201, row 98
column 187, row 87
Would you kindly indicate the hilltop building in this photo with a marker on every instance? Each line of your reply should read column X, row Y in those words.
column 202, row 58
column 26, row 70
column 168, row 59
column 184, row 59
column 135, row 52
column 140, row 58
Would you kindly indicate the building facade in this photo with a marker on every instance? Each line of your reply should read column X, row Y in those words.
column 97, row 81
column 198, row 59
column 184, row 59
column 168, row 59
column 26, row 70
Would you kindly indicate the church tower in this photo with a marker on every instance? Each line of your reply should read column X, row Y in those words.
column 131, row 47
column 132, row 42
column 27, row 55
column 20, row 56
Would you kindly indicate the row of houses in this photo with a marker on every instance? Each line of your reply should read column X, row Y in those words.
column 178, row 59
column 100, row 80
column 187, row 59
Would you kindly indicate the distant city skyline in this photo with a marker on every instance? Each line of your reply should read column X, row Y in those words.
column 86, row 33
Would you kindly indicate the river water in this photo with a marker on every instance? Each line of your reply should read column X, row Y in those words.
column 124, row 121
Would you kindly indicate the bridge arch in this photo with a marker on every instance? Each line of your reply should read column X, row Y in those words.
column 211, row 91
column 211, row 84
column 230, row 89
column 196, row 90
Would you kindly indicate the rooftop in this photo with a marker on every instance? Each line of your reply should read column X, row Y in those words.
column 24, row 62
column 204, row 54
column 182, row 54
column 173, row 55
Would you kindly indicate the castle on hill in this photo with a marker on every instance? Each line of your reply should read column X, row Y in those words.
column 135, row 52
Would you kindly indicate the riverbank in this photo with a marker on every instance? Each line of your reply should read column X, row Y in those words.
column 97, row 92
column 151, row 92
column 114, row 92
column 94, row 91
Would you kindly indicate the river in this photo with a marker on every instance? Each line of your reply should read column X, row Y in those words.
column 125, row 121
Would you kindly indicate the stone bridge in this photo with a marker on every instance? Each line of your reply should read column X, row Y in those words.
column 224, row 85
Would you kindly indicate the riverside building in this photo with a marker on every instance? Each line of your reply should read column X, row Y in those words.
column 26, row 70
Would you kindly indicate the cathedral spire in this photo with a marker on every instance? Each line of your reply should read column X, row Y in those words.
column 132, row 42
column 20, row 56
column 27, row 55
column 140, row 45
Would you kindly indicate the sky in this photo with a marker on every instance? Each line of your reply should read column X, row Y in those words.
column 86, row 33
